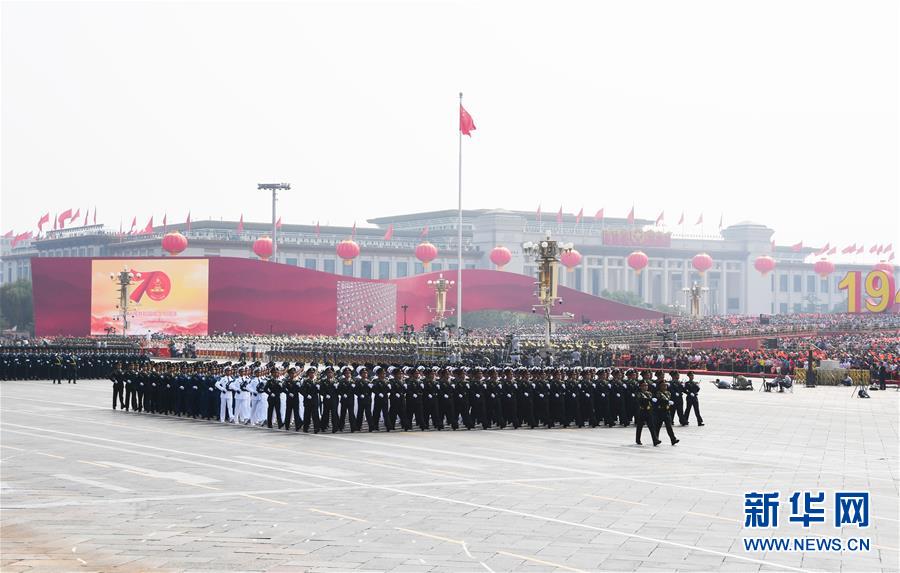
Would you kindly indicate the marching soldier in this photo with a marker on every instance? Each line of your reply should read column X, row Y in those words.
column 692, row 389
column 663, row 411
column 677, row 390
column 118, row 380
column 272, row 391
column 645, row 402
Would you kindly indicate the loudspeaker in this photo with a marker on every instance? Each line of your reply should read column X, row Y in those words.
column 763, row 319
column 770, row 343
column 667, row 320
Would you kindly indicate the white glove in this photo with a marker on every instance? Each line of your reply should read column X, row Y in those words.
column 653, row 400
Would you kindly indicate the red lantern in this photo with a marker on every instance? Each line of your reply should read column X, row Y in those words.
column 764, row 264
column 702, row 262
column 886, row 267
column 570, row 259
column 638, row 261
column 500, row 256
column 426, row 252
column 348, row 250
column 823, row 267
column 174, row 243
column 263, row 248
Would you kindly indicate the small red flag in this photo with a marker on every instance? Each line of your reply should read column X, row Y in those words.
column 891, row 258
column 44, row 219
column 721, row 219
column 165, row 221
column 278, row 223
column 95, row 215
column 832, row 251
column 797, row 247
column 63, row 217
column 389, row 234
column 661, row 218
column 681, row 222
column 889, row 247
column 631, row 216
column 19, row 238
column 318, row 230
column 579, row 216
column 353, row 230
column 76, row 215
column 149, row 228
column 872, row 249
column 8, row 234
column 240, row 227
column 133, row 224
column 599, row 215
column 466, row 125
column 188, row 222
column 559, row 215
column 55, row 219
column 700, row 220
column 860, row 249
column 539, row 212
column 86, row 211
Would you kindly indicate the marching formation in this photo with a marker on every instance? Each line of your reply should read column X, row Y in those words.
column 353, row 398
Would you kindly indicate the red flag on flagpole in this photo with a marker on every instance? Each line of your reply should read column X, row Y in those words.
column 133, row 225
column 8, row 234
column 860, row 249
column 832, row 251
column 55, row 219
column 889, row 247
column 44, row 219
column 891, row 258
column 721, row 219
column 353, row 230
column 63, row 217
column 797, row 247
column 86, row 211
column 188, row 222
column 661, row 218
column 539, row 212
column 76, row 215
column 149, row 228
column 559, row 215
column 240, row 227
column 317, row 229
column 95, row 215
column 165, row 222
column 599, row 215
column 872, row 249
column 19, row 238
column 389, row 234
column 278, row 223
column 700, row 220
column 681, row 220
column 120, row 228
column 631, row 216
column 579, row 216
column 466, row 124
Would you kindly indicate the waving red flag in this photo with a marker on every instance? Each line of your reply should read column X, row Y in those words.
column 133, row 225
column 19, row 238
column 318, row 230
column 95, row 215
column 188, row 222
column 44, row 219
column 424, row 232
column 278, row 223
column 599, row 215
column 149, row 228
column 353, row 230
column 631, row 216
column 76, row 215
column 681, row 220
column 661, row 218
column 539, row 212
column 466, row 124
column 559, row 215
column 797, row 247
column 8, row 234
column 700, row 220
column 63, row 217
column 240, row 227
column 389, row 234
column 832, row 251
column 579, row 216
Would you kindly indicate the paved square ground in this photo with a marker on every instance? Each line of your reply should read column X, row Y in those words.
column 85, row 488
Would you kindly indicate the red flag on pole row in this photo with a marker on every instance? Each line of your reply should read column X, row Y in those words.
column 721, row 219
column 133, row 225
column 661, row 218
column 599, row 215
column 44, row 219
column 700, row 220
column 466, row 124
column 63, row 217
column 860, row 249
column 891, row 258
column 86, row 211
column 848, row 249
column 353, row 230
column 889, row 247
column 832, row 251
column 539, row 212
column 95, row 215
column 872, row 249
column 797, row 247
column 631, row 216
column 188, row 222
column 579, row 216
column 240, row 227
column 559, row 215
column 318, row 230
column 149, row 228
column 19, row 238
column 165, row 222
column 8, row 234
column 681, row 220
column 389, row 234
column 55, row 219
column 278, row 223
column 76, row 215
column 424, row 232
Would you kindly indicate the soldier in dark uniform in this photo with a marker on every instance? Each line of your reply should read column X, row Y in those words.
column 273, row 389
column 346, row 389
column 557, row 399
column 509, row 399
column 525, row 399
column 380, row 391
column 292, row 392
column 541, row 393
column 310, row 393
column 478, row 398
column 663, row 413
column 430, row 401
column 677, row 390
column 461, row 397
column 72, row 369
column 692, row 389
column 396, row 400
column 58, row 369
column 118, row 380
column 364, row 397
column 415, row 408
column 493, row 396
column 330, row 399
column 446, row 400
column 645, row 403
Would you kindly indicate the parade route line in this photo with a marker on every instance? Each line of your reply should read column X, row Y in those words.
column 444, row 499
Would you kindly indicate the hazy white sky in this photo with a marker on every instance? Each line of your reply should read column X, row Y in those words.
column 784, row 112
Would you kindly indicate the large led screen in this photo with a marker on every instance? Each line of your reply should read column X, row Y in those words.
column 162, row 296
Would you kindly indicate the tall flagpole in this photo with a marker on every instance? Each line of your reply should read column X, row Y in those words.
column 459, row 257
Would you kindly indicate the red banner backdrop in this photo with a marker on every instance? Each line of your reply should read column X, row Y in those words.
column 250, row 296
